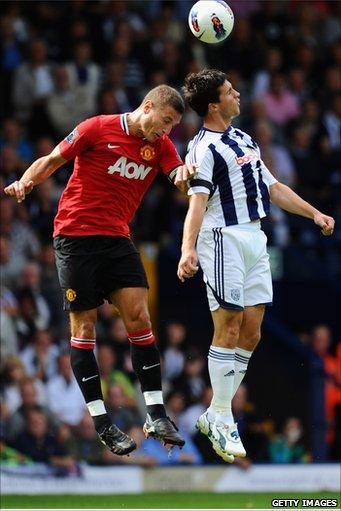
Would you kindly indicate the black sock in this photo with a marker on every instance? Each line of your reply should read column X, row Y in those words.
column 85, row 369
column 146, row 364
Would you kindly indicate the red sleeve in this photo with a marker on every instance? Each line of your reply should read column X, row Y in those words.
column 169, row 156
column 80, row 139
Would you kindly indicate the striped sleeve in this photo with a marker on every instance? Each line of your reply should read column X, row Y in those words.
column 268, row 178
column 202, row 183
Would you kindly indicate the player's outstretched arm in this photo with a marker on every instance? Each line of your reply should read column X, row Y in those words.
column 188, row 264
column 285, row 198
column 183, row 174
column 38, row 172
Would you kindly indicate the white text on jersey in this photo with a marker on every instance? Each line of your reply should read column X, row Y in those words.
column 129, row 169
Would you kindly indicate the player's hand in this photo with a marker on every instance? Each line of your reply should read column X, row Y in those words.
column 325, row 222
column 188, row 265
column 19, row 189
column 184, row 174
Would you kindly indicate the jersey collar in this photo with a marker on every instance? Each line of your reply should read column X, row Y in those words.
column 124, row 123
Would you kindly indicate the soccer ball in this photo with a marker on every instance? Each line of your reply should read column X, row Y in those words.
column 211, row 21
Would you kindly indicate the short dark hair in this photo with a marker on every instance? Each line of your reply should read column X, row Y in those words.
column 202, row 88
column 165, row 95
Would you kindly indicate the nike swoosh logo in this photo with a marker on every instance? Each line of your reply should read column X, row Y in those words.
column 149, row 367
column 111, row 146
column 90, row 377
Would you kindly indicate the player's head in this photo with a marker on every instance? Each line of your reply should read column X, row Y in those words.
column 162, row 109
column 210, row 92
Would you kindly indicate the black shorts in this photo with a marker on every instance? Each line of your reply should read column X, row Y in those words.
column 90, row 268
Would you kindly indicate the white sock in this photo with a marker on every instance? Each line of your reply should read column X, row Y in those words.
column 96, row 407
column 240, row 366
column 221, row 370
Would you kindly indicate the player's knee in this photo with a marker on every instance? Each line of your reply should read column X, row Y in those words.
column 139, row 319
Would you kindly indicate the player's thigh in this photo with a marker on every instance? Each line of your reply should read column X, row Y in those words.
column 227, row 324
column 78, row 270
column 132, row 302
column 82, row 325
column 123, row 267
column 250, row 330
column 258, row 282
column 222, row 262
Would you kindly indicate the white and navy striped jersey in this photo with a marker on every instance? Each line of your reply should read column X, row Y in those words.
column 231, row 171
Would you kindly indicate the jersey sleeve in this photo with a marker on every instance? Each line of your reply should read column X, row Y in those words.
column 202, row 183
column 80, row 139
column 268, row 178
column 170, row 159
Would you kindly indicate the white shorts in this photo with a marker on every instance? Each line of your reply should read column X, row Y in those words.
column 236, row 266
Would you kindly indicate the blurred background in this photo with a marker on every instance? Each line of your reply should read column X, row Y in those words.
column 65, row 61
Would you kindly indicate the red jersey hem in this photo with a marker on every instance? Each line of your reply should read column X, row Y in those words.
column 90, row 232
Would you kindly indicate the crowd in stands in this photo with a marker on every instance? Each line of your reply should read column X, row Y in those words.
column 65, row 61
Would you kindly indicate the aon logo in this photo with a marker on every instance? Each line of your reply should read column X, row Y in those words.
column 129, row 169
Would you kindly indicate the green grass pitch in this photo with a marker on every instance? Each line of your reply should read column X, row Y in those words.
column 157, row 500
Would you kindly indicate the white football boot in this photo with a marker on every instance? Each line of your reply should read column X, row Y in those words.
column 205, row 427
column 228, row 439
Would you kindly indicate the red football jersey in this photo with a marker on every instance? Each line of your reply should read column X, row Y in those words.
column 112, row 172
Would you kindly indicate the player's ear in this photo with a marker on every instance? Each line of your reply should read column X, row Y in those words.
column 212, row 108
column 147, row 106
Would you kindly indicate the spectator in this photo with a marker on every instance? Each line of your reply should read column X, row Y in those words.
column 68, row 105
column 190, row 415
column 9, row 344
column 273, row 64
column 120, row 409
column 40, row 357
column 33, row 81
column 32, row 395
column 288, row 446
column 83, row 73
column 280, row 104
column 282, row 165
column 253, row 429
column 23, row 240
column 63, row 395
column 13, row 374
column 321, row 342
column 12, row 136
column 39, row 445
column 29, row 289
column 173, row 355
column 110, row 374
column 83, row 444
column 191, row 382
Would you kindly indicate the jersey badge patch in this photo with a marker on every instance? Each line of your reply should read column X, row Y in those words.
column 70, row 295
column 72, row 136
column 235, row 295
column 147, row 152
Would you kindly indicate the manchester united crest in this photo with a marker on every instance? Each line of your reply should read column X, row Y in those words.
column 147, row 152
column 70, row 295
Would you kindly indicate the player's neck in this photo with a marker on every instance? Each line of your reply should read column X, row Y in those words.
column 134, row 123
column 216, row 123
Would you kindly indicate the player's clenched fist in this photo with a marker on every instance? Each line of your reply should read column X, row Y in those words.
column 19, row 189
column 325, row 222
column 184, row 174
column 188, row 265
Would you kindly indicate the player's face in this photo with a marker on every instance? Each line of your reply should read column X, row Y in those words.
column 158, row 120
column 229, row 101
